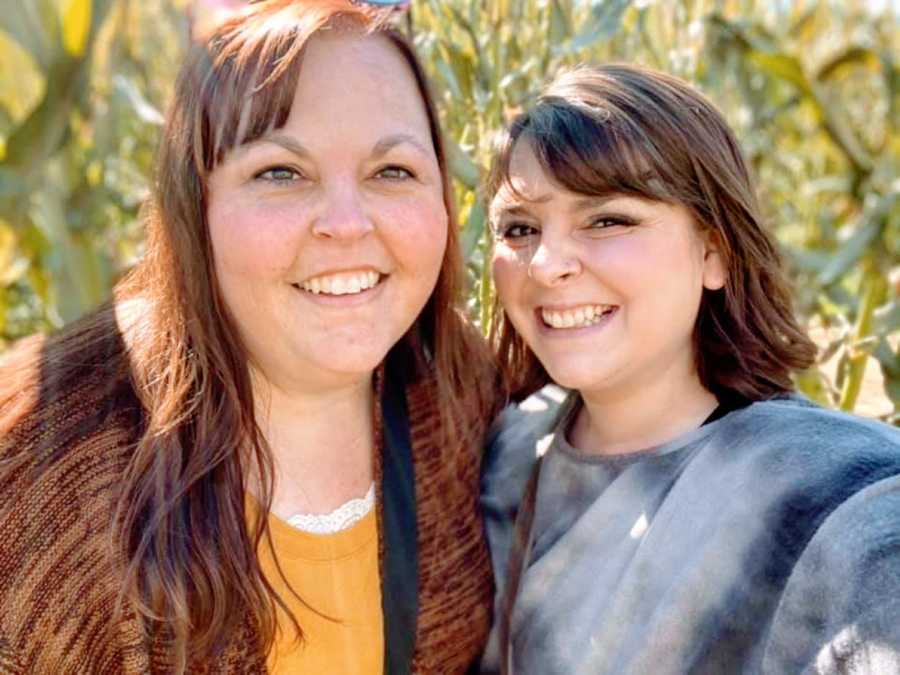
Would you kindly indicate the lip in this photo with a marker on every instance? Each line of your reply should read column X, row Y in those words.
column 562, row 333
column 347, row 300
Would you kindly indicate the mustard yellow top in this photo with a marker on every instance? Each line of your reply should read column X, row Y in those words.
column 337, row 576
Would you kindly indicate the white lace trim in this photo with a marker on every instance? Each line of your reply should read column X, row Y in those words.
column 342, row 518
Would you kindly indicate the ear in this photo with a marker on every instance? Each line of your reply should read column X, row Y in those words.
column 715, row 271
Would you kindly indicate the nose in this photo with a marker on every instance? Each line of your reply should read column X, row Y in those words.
column 342, row 216
column 553, row 264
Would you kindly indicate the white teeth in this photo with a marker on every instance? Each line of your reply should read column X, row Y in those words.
column 575, row 318
column 347, row 283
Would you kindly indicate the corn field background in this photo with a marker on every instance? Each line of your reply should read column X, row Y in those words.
column 812, row 88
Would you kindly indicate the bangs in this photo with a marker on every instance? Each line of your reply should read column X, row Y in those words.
column 243, row 102
column 248, row 71
column 586, row 150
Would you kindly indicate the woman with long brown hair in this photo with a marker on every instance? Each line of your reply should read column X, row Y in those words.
column 263, row 453
column 683, row 510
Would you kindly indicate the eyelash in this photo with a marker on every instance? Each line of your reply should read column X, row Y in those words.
column 262, row 175
column 278, row 168
column 395, row 167
column 519, row 230
column 506, row 232
column 611, row 221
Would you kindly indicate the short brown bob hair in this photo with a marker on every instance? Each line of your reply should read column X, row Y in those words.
column 631, row 130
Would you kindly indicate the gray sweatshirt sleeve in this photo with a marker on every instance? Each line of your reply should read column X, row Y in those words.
column 512, row 450
column 840, row 611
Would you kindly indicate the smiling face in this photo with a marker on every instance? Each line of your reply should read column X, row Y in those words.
column 328, row 234
column 604, row 290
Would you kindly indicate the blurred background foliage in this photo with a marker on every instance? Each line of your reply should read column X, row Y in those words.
column 812, row 88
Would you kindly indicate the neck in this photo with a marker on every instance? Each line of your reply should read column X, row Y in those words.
column 620, row 422
column 322, row 443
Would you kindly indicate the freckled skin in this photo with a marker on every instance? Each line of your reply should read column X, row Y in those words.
column 337, row 207
column 654, row 269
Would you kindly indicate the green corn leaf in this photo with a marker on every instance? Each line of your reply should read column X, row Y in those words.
column 852, row 56
column 41, row 134
column 886, row 319
column 781, row 66
column 473, row 229
column 449, row 78
column 889, row 360
column 812, row 383
column 145, row 110
column 606, row 18
column 851, row 252
column 560, row 23
column 33, row 24
column 21, row 80
column 461, row 165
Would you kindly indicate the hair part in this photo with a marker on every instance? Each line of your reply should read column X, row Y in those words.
column 630, row 130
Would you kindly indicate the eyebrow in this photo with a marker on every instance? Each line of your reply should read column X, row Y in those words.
column 386, row 144
column 580, row 204
column 285, row 141
column 381, row 148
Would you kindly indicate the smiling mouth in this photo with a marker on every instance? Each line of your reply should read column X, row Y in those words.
column 345, row 283
column 575, row 317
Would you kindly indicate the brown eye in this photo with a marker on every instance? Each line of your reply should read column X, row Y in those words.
column 607, row 222
column 517, row 233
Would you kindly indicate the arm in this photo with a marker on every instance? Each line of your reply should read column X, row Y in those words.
column 840, row 610
column 9, row 661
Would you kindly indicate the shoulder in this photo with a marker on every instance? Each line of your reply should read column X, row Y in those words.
column 796, row 417
column 66, row 430
column 827, row 487
column 795, row 433
column 862, row 533
column 61, row 414
column 527, row 422
column 56, row 391
column 841, row 604
column 519, row 435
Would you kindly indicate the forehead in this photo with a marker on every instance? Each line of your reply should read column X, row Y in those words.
column 527, row 181
column 351, row 82
column 530, row 188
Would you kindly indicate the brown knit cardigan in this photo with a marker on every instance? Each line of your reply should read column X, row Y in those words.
column 59, row 576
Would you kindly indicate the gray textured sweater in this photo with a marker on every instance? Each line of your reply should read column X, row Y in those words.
column 767, row 541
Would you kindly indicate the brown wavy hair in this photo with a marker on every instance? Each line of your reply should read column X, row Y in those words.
column 631, row 130
column 190, row 555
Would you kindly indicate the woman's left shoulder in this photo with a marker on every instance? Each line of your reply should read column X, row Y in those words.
column 796, row 423
column 840, row 610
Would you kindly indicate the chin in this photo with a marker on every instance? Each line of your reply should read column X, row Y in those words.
column 351, row 360
column 576, row 376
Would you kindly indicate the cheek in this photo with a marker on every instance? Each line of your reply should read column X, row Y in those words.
column 510, row 273
column 250, row 242
column 418, row 233
column 668, row 281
